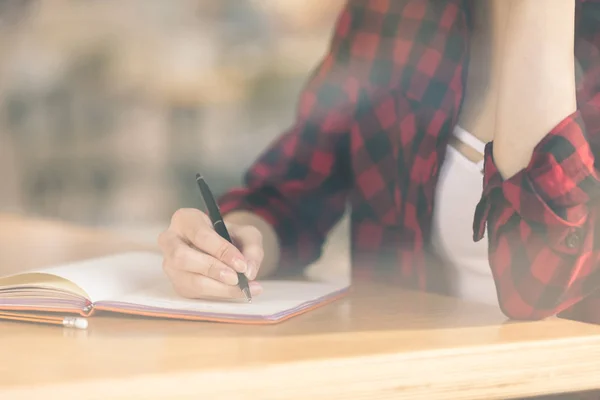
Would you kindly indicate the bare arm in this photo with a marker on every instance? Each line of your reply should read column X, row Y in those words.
column 537, row 89
column 541, row 187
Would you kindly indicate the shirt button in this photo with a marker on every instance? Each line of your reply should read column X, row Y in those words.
column 573, row 240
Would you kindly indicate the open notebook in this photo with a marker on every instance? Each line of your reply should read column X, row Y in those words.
column 134, row 283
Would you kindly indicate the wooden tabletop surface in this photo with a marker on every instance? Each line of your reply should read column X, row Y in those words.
column 379, row 343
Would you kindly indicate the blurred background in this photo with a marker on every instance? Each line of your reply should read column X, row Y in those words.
column 109, row 108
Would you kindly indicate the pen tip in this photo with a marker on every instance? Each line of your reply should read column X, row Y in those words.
column 247, row 295
column 198, row 177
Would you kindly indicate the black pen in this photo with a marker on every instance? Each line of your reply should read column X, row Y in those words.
column 219, row 225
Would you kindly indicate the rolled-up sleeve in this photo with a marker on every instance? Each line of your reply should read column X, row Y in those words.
column 541, row 225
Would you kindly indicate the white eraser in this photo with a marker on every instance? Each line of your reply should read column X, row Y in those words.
column 81, row 323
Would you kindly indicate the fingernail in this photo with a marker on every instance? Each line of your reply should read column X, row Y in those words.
column 251, row 271
column 228, row 276
column 255, row 288
column 240, row 265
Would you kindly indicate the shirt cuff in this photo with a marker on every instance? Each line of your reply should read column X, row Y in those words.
column 243, row 200
column 298, row 246
column 552, row 191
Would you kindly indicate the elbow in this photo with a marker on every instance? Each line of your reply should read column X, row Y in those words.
column 543, row 286
column 522, row 307
column 519, row 314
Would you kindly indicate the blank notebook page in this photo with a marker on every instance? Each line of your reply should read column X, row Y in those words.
column 135, row 281
column 279, row 298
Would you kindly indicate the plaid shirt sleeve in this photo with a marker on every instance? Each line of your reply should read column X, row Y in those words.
column 543, row 222
column 300, row 184
column 541, row 225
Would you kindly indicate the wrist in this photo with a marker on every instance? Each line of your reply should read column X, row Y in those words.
column 534, row 9
column 529, row 18
column 540, row 38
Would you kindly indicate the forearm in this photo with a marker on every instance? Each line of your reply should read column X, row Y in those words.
column 537, row 89
column 270, row 241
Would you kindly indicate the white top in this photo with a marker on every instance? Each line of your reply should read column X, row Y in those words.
column 458, row 191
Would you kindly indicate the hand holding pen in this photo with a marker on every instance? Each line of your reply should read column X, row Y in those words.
column 203, row 264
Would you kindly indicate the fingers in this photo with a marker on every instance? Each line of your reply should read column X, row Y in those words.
column 184, row 258
column 195, row 228
column 199, row 275
column 195, row 286
column 201, row 264
column 249, row 239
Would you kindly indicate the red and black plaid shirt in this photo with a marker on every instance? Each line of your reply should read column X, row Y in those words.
column 372, row 128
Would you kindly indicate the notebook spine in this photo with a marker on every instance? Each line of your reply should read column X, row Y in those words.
column 88, row 310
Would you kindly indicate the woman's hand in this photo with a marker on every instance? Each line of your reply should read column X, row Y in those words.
column 201, row 264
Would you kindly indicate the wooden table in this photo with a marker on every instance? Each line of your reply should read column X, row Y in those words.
column 379, row 343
